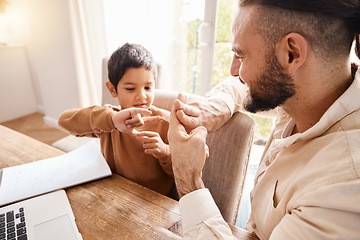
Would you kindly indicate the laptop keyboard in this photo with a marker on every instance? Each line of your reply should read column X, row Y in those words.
column 12, row 225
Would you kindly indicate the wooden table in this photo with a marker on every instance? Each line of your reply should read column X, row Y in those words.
column 110, row 208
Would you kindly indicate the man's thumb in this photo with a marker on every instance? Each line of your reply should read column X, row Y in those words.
column 200, row 132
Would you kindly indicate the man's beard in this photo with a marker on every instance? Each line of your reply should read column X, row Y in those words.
column 271, row 89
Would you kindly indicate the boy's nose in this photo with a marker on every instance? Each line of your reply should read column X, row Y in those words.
column 141, row 95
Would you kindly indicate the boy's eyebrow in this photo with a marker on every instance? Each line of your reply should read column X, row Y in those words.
column 132, row 83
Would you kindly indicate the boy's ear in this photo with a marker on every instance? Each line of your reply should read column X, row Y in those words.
column 292, row 52
column 111, row 89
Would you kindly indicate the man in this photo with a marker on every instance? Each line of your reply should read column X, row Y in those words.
column 294, row 57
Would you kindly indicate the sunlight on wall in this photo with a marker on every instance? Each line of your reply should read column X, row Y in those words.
column 353, row 56
column 140, row 22
column 158, row 25
column 13, row 24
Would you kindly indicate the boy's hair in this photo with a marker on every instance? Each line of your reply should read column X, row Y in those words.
column 129, row 56
column 329, row 26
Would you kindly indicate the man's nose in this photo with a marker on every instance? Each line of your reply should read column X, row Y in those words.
column 235, row 66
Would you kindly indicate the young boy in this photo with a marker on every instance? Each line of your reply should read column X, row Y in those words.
column 134, row 144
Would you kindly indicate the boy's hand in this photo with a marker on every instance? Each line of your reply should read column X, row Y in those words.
column 127, row 119
column 153, row 144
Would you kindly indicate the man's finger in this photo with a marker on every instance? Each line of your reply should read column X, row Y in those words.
column 175, row 127
column 191, row 111
column 189, row 122
column 198, row 138
column 182, row 97
column 200, row 133
column 187, row 108
column 207, row 151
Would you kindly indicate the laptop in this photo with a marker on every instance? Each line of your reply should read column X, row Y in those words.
column 46, row 217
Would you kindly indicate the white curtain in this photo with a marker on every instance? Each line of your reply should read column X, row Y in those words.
column 89, row 42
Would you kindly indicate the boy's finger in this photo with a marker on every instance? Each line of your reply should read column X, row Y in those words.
column 146, row 133
column 140, row 138
column 135, row 111
column 134, row 131
column 141, row 120
column 151, row 119
column 134, row 122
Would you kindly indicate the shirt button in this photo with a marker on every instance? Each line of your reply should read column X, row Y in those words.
column 267, row 162
column 253, row 225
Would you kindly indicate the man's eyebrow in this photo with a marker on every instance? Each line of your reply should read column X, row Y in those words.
column 238, row 51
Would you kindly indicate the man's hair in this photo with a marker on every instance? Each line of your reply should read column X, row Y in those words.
column 129, row 56
column 330, row 27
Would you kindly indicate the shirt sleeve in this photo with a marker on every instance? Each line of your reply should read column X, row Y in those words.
column 230, row 91
column 201, row 217
column 89, row 122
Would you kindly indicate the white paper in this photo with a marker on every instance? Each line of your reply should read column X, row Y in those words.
column 81, row 165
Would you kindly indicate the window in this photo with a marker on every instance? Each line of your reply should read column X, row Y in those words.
column 170, row 30
column 181, row 36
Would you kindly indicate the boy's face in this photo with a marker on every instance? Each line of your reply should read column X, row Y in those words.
column 136, row 88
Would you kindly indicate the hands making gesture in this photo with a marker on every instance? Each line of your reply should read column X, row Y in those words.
column 128, row 119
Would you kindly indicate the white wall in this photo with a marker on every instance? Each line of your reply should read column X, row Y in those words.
column 40, row 75
column 17, row 96
column 51, row 57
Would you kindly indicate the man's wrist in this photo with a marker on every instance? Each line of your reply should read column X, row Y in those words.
column 221, row 114
column 187, row 186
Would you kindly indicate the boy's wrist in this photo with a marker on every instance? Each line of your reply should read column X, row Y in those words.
column 109, row 120
column 112, row 119
column 166, row 154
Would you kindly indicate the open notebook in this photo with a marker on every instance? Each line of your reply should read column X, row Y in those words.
column 79, row 166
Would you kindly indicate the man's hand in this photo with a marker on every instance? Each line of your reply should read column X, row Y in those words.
column 188, row 153
column 210, row 114
column 127, row 119
column 153, row 144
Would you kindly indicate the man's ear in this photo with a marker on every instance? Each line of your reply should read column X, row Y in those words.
column 292, row 52
column 111, row 89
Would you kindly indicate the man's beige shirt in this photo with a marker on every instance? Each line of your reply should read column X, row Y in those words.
column 307, row 185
